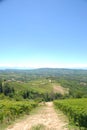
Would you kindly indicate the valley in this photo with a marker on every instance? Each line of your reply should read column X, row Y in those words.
column 22, row 91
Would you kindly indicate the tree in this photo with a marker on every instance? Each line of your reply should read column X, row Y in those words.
column 7, row 90
column 1, row 89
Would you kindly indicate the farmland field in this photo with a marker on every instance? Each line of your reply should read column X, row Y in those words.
column 75, row 109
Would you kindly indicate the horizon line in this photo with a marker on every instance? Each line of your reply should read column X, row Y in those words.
column 32, row 68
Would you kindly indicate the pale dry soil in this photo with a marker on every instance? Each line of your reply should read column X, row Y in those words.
column 60, row 89
column 46, row 116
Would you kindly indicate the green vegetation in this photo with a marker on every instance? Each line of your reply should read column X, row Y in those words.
column 20, row 87
column 37, row 80
column 75, row 109
column 38, row 127
column 10, row 110
column 40, row 89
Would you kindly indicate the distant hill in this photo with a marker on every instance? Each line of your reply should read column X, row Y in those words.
column 36, row 81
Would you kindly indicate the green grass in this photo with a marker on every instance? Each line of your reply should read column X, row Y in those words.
column 40, row 85
column 39, row 127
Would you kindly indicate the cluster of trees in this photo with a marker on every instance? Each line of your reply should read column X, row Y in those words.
column 75, row 91
column 6, row 89
column 42, row 96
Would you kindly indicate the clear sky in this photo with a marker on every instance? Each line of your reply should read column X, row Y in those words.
column 43, row 33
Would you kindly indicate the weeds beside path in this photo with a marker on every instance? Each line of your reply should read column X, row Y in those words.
column 45, row 119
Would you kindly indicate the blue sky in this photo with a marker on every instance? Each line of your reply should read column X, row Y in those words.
column 43, row 33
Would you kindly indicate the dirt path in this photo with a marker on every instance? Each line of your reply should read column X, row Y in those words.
column 46, row 116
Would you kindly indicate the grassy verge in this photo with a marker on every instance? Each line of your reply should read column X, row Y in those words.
column 3, row 125
column 10, row 111
column 39, row 127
